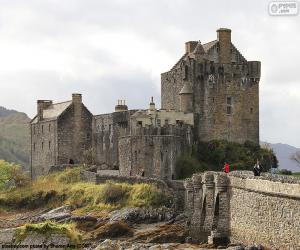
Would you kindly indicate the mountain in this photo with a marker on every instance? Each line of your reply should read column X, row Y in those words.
column 283, row 153
column 14, row 137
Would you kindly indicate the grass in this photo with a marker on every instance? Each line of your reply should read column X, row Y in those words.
column 296, row 174
column 67, row 188
column 47, row 229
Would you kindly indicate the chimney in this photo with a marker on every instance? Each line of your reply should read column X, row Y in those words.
column 76, row 98
column 152, row 105
column 41, row 105
column 224, row 38
column 121, row 106
column 190, row 46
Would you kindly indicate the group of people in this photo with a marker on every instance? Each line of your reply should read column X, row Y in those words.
column 257, row 169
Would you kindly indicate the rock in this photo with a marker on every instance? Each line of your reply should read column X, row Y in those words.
column 110, row 230
column 7, row 235
column 57, row 214
column 142, row 215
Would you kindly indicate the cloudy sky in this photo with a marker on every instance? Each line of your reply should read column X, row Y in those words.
column 116, row 49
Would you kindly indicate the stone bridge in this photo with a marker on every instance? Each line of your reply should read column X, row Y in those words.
column 242, row 208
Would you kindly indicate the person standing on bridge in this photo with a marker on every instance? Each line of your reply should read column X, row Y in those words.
column 257, row 169
column 226, row 168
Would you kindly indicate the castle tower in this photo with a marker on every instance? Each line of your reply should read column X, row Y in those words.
column 186, row 99
column 225, row 90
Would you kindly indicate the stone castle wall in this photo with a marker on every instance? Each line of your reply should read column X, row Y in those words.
column 107, row 130
column 43, row 147
column 153, row 152
column 74, row 134
column 265, row 210
column 225, row 89
column 251, row 210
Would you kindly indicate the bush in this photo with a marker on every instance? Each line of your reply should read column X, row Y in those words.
column 11, row 176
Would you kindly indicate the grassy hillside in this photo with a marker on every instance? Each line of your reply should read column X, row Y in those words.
column 14, row 137
column 67, row 188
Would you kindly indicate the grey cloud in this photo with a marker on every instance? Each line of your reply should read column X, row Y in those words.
column 165, row 24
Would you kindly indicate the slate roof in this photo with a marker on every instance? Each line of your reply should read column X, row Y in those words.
column 209, row 45
column 53, row 111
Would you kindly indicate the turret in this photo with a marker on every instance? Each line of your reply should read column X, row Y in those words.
column 186, row 99
column 254, row 69
column 224, row 38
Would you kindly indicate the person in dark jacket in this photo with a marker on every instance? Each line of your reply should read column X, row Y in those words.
column 257, row 169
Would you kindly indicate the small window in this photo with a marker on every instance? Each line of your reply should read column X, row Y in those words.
column 49, row 127
column 166, row 122
column 251, row 110
column 42, row 145
column 229, row 110
column 186, row 72
column 49, row 144
column 213, row 99
column 33, row 147
column 140, row 124
column 229, row 101
column 158, row 122
column 34, row 130
column 42, row 129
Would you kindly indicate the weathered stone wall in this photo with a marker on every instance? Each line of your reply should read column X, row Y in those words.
column 108, row 128
column 225, row 90
column 74, row 135
column 251, row 210
column 265, row 210
column 152, row 152
column 43, row 147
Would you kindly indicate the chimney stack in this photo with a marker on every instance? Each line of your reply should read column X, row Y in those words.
column 76, row 98
column 190, row 46
column 224, row 38
column 41, row 105
column 121, row 106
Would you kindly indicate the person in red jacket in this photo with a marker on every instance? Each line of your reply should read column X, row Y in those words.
column 226, row 168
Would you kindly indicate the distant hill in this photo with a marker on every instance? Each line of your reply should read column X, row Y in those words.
column 14, row 137
column 283, row 153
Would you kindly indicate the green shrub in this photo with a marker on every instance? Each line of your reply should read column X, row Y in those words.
column 12, row 176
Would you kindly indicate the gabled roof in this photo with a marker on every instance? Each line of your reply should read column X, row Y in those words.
column 53, row 111
column 209, row 45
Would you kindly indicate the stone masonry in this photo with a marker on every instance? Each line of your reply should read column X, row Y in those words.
column 212, row 92
column 244, row 209
column 224, row 88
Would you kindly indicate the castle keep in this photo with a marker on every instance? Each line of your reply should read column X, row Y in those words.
column 212, row 92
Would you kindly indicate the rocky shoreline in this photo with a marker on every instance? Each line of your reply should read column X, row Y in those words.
column 126, row 229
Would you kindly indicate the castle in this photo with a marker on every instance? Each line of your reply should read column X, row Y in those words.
column 212, row 92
